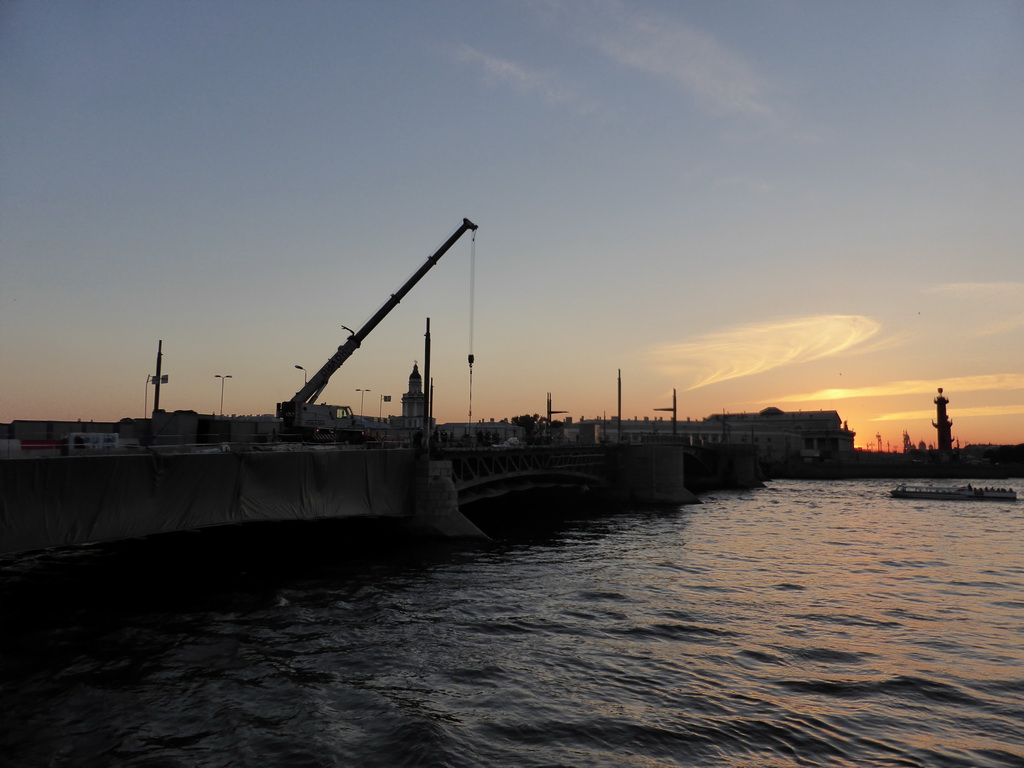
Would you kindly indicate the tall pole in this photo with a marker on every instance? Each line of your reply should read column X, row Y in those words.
column 620, row 405
column 222, row 378
column 551, row 413
column 159, row 362
column 362, row 394
column 673, row 409
column 427, row 394
column 674, row 419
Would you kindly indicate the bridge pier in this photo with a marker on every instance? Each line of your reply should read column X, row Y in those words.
column 436, row 503
column 653, row 474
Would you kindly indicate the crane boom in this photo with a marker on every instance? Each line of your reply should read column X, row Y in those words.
column 315, row 386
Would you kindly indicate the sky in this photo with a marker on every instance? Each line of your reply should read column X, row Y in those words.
column 792, row 203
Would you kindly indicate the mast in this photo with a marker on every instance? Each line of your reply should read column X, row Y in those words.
column 312, row 389
column 157, row 378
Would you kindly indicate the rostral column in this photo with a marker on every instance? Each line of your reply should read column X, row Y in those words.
column 942, row 423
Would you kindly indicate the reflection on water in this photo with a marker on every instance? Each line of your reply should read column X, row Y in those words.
column 804, row 624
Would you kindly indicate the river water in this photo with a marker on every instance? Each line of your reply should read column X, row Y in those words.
column 807, row 623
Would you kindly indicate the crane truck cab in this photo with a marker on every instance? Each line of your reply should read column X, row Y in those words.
column 319, row 422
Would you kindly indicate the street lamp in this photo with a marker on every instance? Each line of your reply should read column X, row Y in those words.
column 362, row 394
column 304, row 379
column 222, row 380
column 550, row 414
column 673, row 409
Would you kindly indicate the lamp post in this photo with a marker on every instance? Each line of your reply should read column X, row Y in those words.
column 305, row 380
column 223, row 378
column 550, row 414
column 362, row 394
column 673, row 409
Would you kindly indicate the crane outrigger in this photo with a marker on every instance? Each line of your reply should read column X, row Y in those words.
column 303, row 417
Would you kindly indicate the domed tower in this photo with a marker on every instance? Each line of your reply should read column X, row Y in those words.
column 412, row 401
column 942, row 423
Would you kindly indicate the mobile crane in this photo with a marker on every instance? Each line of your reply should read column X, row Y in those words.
column 304, row 418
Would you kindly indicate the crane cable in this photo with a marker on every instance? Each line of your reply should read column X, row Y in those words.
column 472, row 298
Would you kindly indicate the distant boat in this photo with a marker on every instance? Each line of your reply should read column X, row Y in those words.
column 956, row 493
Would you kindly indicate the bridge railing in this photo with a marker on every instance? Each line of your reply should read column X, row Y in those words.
column 47, row 448
column 472, row 466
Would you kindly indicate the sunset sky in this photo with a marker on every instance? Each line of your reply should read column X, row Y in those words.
column 811, row 205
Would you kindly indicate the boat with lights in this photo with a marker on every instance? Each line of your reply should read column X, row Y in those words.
column 953, row 493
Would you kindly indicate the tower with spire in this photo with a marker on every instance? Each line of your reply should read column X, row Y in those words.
column 412, row 401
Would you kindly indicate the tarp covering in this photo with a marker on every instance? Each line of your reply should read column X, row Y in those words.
column 64, row 501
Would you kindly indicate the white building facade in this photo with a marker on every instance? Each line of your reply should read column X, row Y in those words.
column 778, row 435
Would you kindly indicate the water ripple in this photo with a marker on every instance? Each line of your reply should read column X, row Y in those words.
column 806, row 624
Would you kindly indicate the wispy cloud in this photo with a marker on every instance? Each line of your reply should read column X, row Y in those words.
column 982, row 290
column 976, row 412
column 716, row 76
column 998, row 381
column 751, row 349
column 525, row 80
column 1003, row 304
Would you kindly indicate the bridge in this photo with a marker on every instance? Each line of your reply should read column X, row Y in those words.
column 66, row 501
column 481, row 473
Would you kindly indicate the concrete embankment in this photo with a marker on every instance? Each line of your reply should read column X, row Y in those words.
column 76, row 500
column 64, row 501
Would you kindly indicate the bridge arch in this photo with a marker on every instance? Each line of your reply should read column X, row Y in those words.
column 489, row 472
